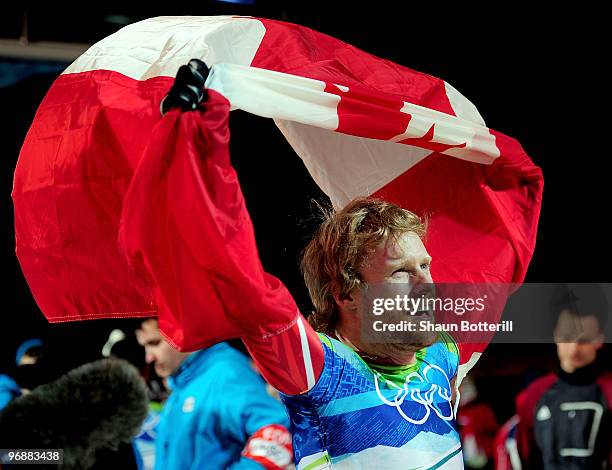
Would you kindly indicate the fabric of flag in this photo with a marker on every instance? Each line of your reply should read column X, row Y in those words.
column 361, row 124
column 185, row 229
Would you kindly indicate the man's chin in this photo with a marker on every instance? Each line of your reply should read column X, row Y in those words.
column 161, row 372
column 423, row 341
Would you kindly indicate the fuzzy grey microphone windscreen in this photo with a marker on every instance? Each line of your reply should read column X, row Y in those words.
column 89, row 410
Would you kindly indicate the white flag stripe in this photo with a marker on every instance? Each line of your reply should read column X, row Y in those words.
column 275, row 95
column 346, row 166
column 159, row 46
column 463, row 107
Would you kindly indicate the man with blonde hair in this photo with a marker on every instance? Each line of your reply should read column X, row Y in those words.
column 355, row 403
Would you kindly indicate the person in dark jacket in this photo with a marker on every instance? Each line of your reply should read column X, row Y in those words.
column 563, row 419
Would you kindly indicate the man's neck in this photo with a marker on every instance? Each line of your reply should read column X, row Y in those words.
column 374, row 353
column 583, row 375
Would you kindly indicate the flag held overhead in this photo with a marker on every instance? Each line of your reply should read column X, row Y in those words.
column 363, row 126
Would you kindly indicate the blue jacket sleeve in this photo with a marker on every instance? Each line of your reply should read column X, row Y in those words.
column 245, row 407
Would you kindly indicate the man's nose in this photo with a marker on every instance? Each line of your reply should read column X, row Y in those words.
column 149, row 357
column 421, row 284
column 422, row 276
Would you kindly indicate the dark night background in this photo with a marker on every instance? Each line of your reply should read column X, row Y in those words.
column 531, row 75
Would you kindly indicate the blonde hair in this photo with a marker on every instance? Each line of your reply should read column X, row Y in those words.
column 331, row 261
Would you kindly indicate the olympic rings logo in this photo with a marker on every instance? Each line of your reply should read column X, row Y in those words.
column 413, row 387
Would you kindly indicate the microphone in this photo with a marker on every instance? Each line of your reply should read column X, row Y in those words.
column 89, row 410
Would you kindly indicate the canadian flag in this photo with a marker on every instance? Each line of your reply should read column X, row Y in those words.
column 361, row 124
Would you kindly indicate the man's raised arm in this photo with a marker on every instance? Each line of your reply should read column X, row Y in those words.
column 185, row 228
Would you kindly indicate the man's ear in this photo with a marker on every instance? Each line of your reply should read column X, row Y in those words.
column 345, row 302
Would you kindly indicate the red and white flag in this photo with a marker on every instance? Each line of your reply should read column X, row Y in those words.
column 361, row 124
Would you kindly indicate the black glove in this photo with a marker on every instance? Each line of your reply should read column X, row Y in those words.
column 188, row 90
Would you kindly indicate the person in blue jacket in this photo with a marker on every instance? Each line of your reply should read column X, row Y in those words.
column 27, row 353
column 219, row 414
column 8, row 390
